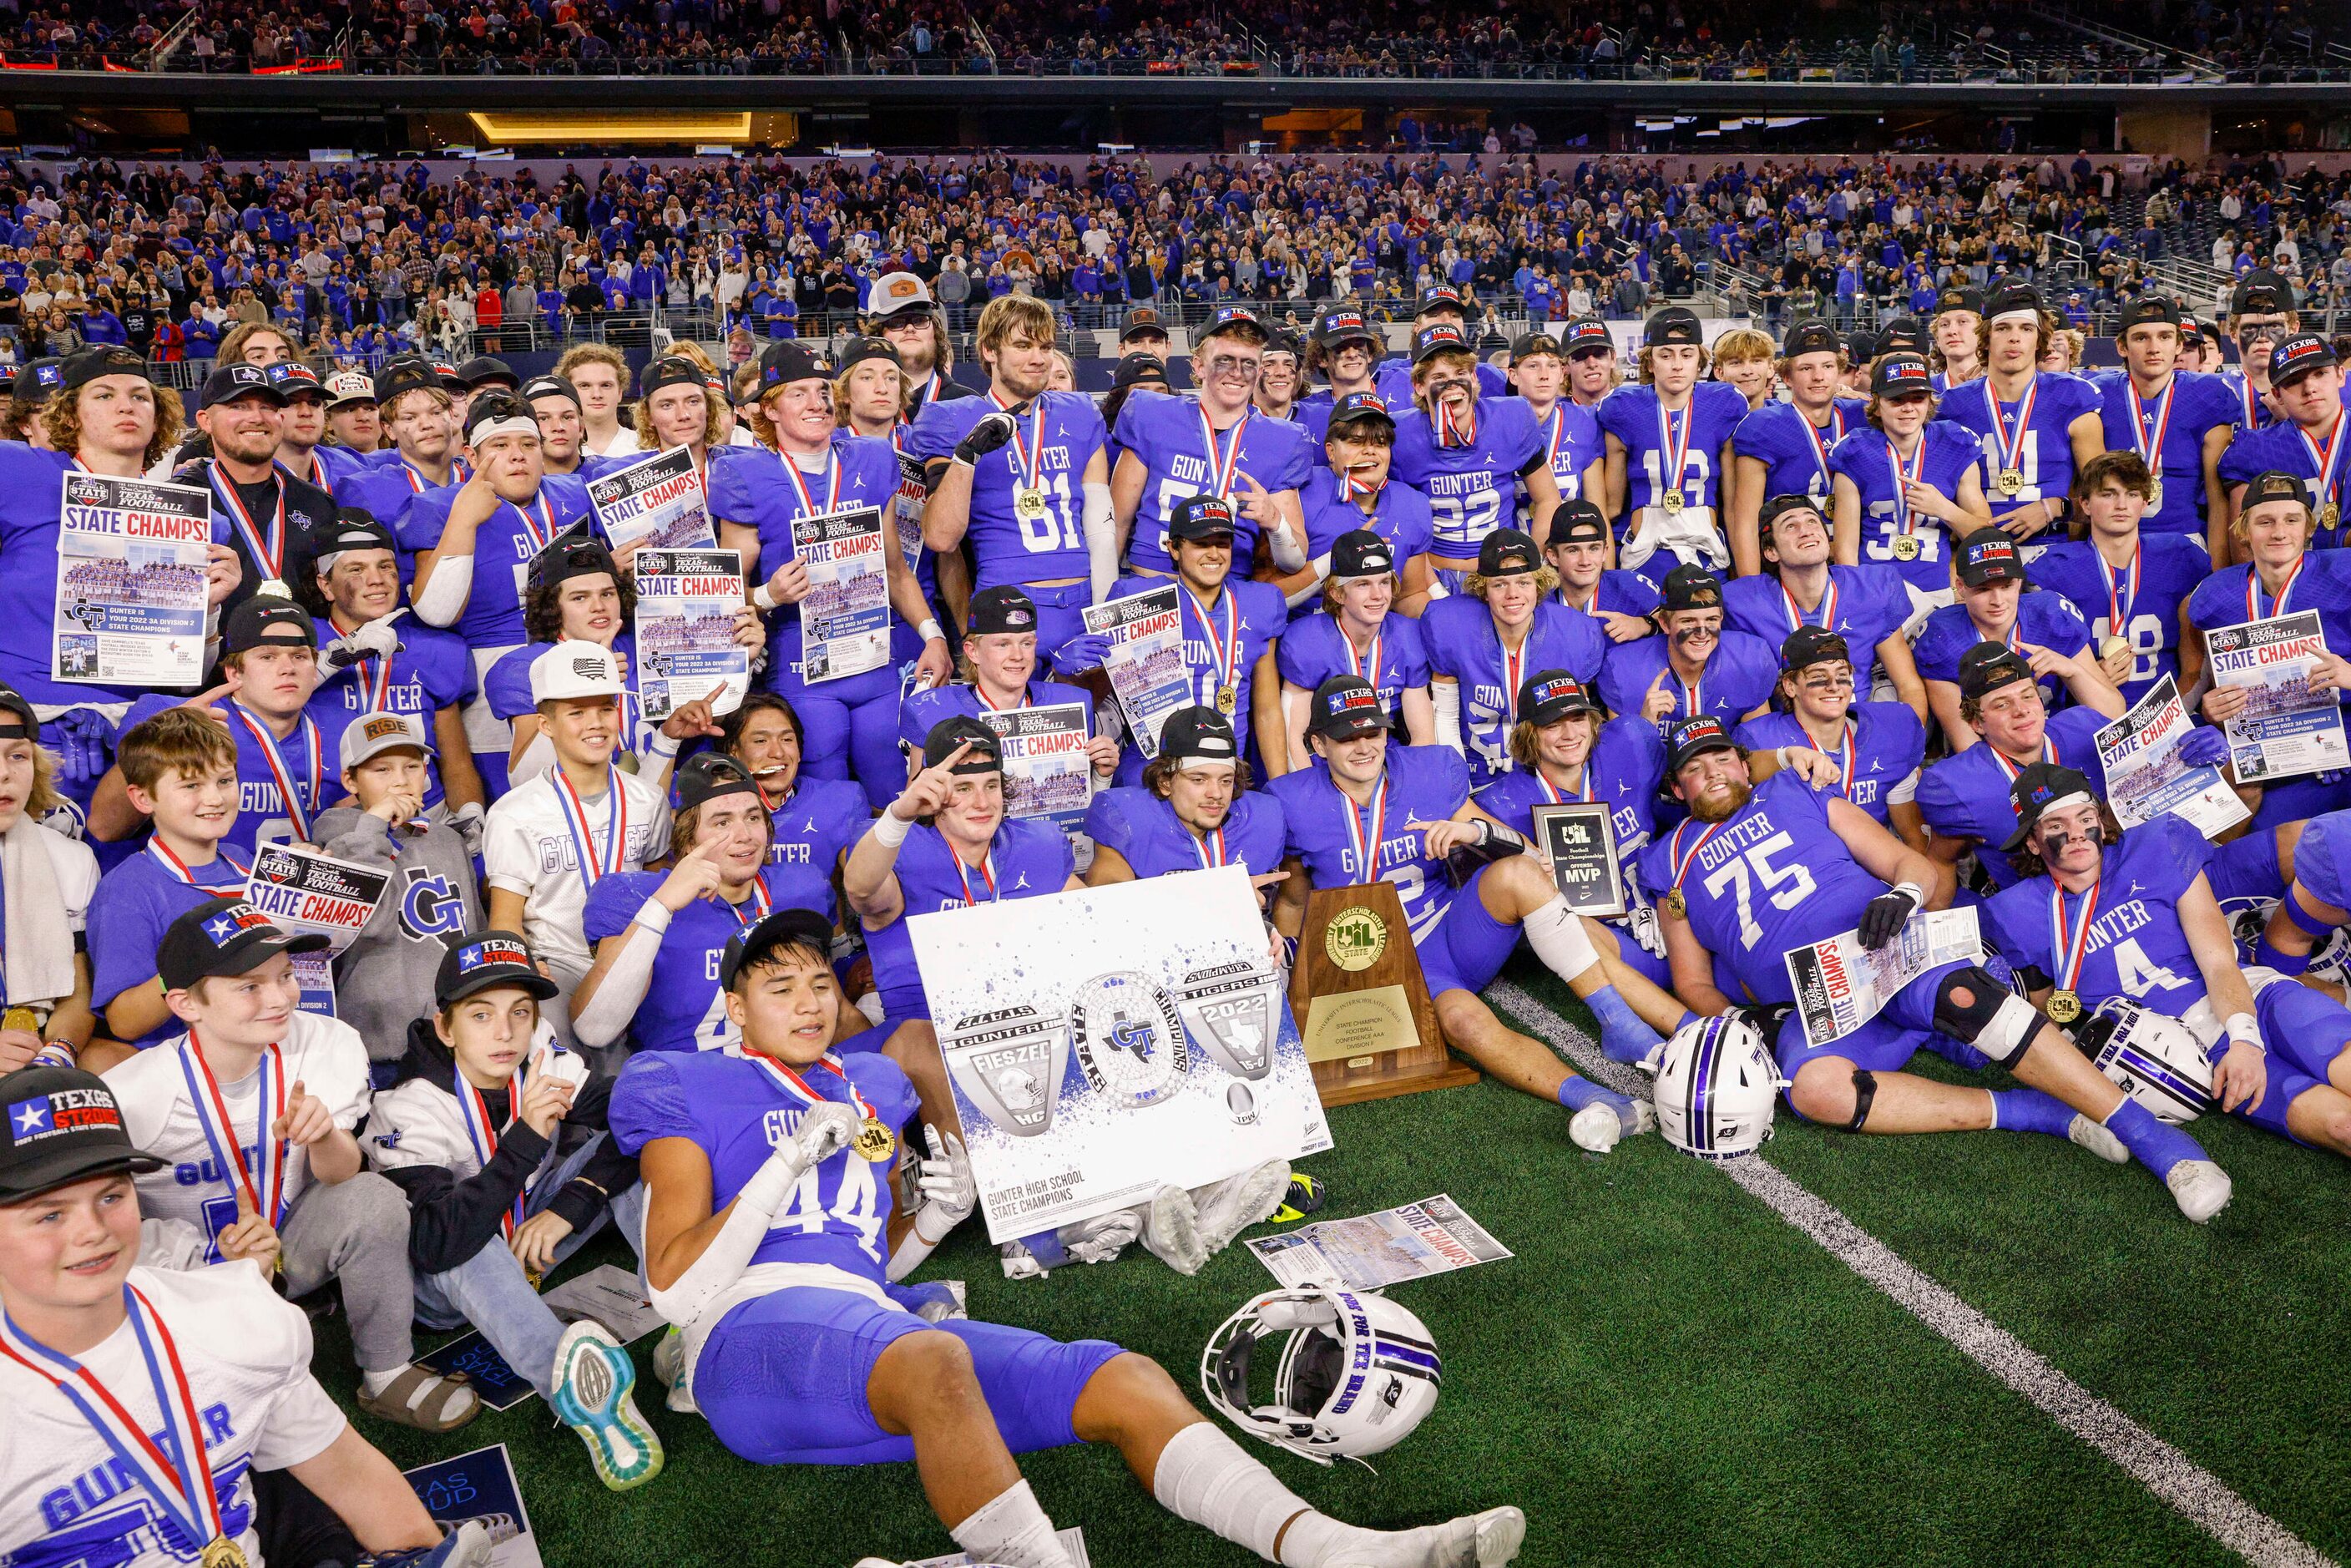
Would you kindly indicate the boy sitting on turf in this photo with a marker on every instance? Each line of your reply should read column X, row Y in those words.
column 469, row 1134
column 179, row 768
column 383, row 980
column 251, row 1112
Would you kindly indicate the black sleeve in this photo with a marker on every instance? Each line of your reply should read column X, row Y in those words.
column 1536, row 459
column 611, row 1172
column 450, row 1220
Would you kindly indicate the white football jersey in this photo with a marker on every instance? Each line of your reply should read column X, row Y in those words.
column 527, row 848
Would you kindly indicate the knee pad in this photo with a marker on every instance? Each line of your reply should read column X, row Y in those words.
column 1993, row 1018
column 1865, row 1091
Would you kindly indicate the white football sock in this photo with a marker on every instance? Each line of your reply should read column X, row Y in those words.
column 1012, row 1529
column 1557, row 935
column 1205, row 1477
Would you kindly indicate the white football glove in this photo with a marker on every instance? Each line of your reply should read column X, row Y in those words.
column 378, row 639
column 824, row 1131
column 949, row 1189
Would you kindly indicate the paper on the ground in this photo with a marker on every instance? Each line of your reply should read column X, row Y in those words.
column 657, row 503
column 1840, row 985
column 1145, row 663
column 845, row 619
column 500, row 1385
column 609, row 1294
column 686, row 602
column 2146, row 775
column 2285, row 729
column 1072, row 1539
column 131, row 582
column 1372, row 1251
column 481, row 1486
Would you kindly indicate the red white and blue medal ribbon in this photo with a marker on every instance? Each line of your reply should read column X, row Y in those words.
column 297, row 807
column 2011, row 447
column 268, row 552
column 1551, row 792
column 2072, row 936
column 1210, row 847
column 809, row 507
column 1904, row 477
column 1513, row 668
column 1367, row 858
column 2326, row 461
column 2122, row 592
column 2254, row 588
column 1681, row 862
column 542, row 532
column 175, row 1473
column 1672, row 458
column 2146, row 439
column 2048, row 754
column 264, row 1189
column 1366, row 663
column 1222, row 463
column 1848, row 755
column 797, row 1088
column 1452, row 431
column 1820, row 447
column 761, row 903
column 1828, row 607
column 474, row 1112
column 1224, row 646
column 177, row 869
column 593, row 866
column 987, row 877
column 1557, row 435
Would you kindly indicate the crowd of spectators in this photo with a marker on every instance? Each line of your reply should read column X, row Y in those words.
column 360, row 261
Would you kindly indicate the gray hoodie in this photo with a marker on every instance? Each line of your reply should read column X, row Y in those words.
column 385, row 977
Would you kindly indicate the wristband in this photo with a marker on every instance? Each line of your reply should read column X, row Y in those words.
column 55, row 1053
column 2243, row 1030
column 1916, row 894
column 930, row 632
column 763, row 598
column 890, row 830
column 1780, row 754
column 661, row 744
column 653, row 916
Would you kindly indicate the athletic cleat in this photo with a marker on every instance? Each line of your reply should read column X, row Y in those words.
column 2200, row 1187
column 593, row 1378
column 1103, row 1237
column 2098, row 1139
column 1229, row 1207
column 669, row 1367
column 1171, row 1229
column 1595, row 1128
column 1307, row 1195
column 466, row 1544
column 1487, row 1540
column 501, row 1527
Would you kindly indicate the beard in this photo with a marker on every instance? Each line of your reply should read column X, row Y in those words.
column 1721, row 802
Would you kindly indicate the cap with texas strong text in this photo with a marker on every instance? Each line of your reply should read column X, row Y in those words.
column 1901, row 375
column 1345, row 706
column 1549, row 695
column 484, row 960
column 1695, row 736
column 1201, row 517
column 1444, row 337
column 1344, row 325
column 1587, row 335
column 60, row 1125
column 224, row 937
column 1988, row 555
column 1439, row 297
column 2298, row 355
column 1362, row 405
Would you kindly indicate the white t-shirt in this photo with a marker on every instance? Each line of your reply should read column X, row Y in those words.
column 624, row 443
column 527, row 848
column 73, row 872
column 247, row 1357
column 325, row 1055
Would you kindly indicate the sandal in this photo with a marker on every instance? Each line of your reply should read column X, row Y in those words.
column 423, row 1399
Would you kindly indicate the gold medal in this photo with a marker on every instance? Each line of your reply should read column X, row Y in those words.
column 1675, row 903
column 223, row 1552
column 2155, row 494
column 1225, row 699
column 1028, row 502
column 2328, row 516
column 874, row 1142
column 24, row 1018
column 2064, row 1007
column 276, row 588
column 1671, row 500
column 2009, row 481
column 1906, row 547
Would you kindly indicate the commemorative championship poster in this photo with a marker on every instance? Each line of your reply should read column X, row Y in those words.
column 304, row 892
column 686, row 600
column 1840, row 985
column 1046, row 770
column 2285, row 729
column 658, row 504
column 1147, row 666
column 845, row 619
column 1373, row 1251
column 1107, row 1042
column 131, row 582
column 2146, row 775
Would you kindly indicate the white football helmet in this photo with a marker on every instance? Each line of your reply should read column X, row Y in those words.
column 1357, row 1372
column 1717, row 1086
column 2157, row 1060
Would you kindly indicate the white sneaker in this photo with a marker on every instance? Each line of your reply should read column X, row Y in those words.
column 1485, row 1539
column 1229, row 1207
column 2200, row 1187
column 1103, row 1237
column 669, row 1367
column 1596, row 1128
column 593, row 1376
column 2098, row 1139
column 1171, row 1229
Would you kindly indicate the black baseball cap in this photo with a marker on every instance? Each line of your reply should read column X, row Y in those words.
column 1002, row 609
column 1360, row 405
column 2297, row 355
column 2276, row 485
column 18, row 719
column 1576, row 522
column 538, row 387
column 1136, row 369
column 1811, row 337
column 1439, row 297
column 2147, row 308
column 1444, row 337
column 447, row 374
column 76, row 371
column 482, row 369
column 294, row 378
column 2208, row 330
column 1904, row 334
column 59, row 1125
column 1198, row 734
column 265, row 618
column 1359, row 552
column 1971, row 300
column 1988, row 666
column 571, row 554
column 2040, row 787
column 674, row 371
column 405, row 375
column 1587, row 335
column 1235, row 319
column 1534, row 345
column 782, row 363
column 37, row 379
column 224, row 937
column 1809, row 646
column 1690, row 586
column 987, row 751
column 233, row 380
column 1345, row 706
column 1988, row 555
column 354, row 529
column 1507, row 552
column 1782, row 506
column 1900, row 375
column 483, row 960
column 2012, row 299
column 1549, row 695
column 1344, row 324
column 707, row 775
column 2259, row 292
column 1861, row 348
column 1281, row 341
column 1200, row 518
column 863, row 348
column 1143, row 321
column 1674, row 324
column 803, row 928
column 1695, row 736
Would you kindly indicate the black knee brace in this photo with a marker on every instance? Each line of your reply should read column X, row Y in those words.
column 1992, row 1019
column 1865, row 1091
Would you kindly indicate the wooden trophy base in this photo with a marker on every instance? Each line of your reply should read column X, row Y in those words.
column 1361, row 1003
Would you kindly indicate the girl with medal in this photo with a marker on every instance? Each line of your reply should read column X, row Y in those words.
column 1355, row 494
column 1995, row 603
column 999, row 674
column 1357, row 635
column 1783, row 448
column 2130, row 584
column 2109, row 919
column 2036, row 426
column 849, row 721
column 1874, row 749
column 1799, row 587
column 468, row 1132
column 108, row 1364
column 1482, row 642
column 1907, row 482
column 1669, row 448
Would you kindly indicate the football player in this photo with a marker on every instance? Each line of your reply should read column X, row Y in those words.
column 2130, row 583
column 1358, row 635
column 1669, row 449
column 1908, row 485
column 1341, row 351
column 2037, row 426
column 1000, row 664
column 1696, row 665
column 1783, row 448
column 2174, row 423
column 2306, row 385
column 1578, row 551
column 1876, row 748
column 1482, row 641
column 1355, row 495
column 1471, row 455
column 1993, row 605
column 1567, row 430
column 1866, row 605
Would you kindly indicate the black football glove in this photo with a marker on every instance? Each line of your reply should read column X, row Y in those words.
column 1883, row 921
column 993, row 431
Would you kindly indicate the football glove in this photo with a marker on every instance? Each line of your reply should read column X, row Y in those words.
column 1883, row 921
column 993, row 431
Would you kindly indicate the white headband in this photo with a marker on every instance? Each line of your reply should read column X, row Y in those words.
column 2024, row 313
column 2065, row 803
column 512, row 425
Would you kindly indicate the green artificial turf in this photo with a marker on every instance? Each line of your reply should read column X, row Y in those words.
column 1666, row 1372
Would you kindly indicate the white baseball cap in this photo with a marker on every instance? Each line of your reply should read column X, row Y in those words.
column 573, row 668
column 382, row 731
column 896, row 291
column 350, row 386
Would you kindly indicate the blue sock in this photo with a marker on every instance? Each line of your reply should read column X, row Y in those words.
column 1623, row 1037
column 2156, row 1144
column 2283, row 963
column 1575, row 1093
column 2030, row 1111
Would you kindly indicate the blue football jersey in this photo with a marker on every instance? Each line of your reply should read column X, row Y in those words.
column 2290, row 449
column 817, row 821
column 308, row 761
column 1570, row 439
column 1332, row 837
column 2172, row 426
column 1619, row 593
column 1314, row 649
column 1059, row 435
column 1794, row 451
column 2135, row 947
column 1626, row 763
column 429, row 670
column 1399, row 514
column 389, row 488
column 1966, row 796
column 1149, row 836
column 2045, row 453
column 1170, row 438
column 1736, row 680
column 1462, row 642
column 2234, row 595
column 135, row 904
column 2140, row 603
column 504, row 548
column 2044, row 619
column 2249, row 410
column 1866, row 458
column 1879, row 758
column 684, row 1008
column 1472, row 489
column 1029, row 858
column 1640, row 423
column 1864, row 604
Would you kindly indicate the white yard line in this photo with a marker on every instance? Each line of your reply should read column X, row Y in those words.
column 2198, row 1494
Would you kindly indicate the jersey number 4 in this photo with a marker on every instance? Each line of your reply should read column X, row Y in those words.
column 1786, row 886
